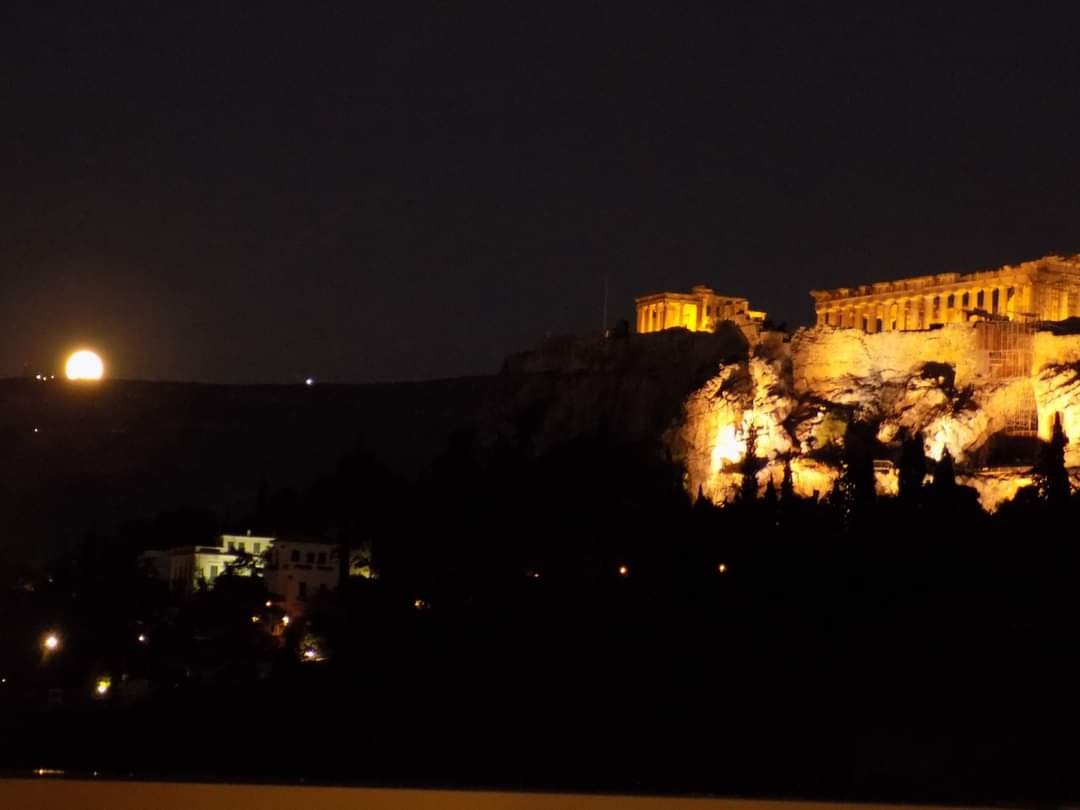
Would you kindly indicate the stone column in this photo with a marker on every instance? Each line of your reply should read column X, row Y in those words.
column 1027, row 298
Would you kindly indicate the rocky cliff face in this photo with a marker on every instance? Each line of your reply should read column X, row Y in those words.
column 796, row 398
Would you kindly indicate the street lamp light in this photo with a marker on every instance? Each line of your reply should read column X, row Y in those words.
column 50, row 643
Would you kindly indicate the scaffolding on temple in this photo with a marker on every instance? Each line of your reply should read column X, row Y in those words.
column 1006, row 353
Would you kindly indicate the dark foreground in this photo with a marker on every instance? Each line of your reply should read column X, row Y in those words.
column 46, row 794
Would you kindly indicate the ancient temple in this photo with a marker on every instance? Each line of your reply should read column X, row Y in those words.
column 1046, row 289
column 699, row 311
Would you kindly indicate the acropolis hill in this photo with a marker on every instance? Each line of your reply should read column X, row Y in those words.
column 984, row 381
column 978, row 363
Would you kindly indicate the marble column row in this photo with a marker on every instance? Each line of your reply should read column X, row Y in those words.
column 906, row 312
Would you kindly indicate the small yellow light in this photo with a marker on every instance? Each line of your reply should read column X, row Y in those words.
column 285, row 620
column 103, row 686
column 255, row 620
column 51, row 642
column 142, row 638
column 624, row 571
column 269, row 603
column 722, row 568
column 309, row 653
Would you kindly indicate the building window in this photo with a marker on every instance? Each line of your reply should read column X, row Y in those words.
column 232, row 546
column 213, row 572
column 242, row 549
column 965, row 300
column 950, row 302
column 257, row 547
column 980, row 300
column 322, row 558
column 295, row 557
column 301, row 590
column 311, row 558
column 995, row 301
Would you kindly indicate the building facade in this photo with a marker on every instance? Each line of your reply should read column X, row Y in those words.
column 1046, row 289
column 699, row 310
column 189, row 567
column 298, row 570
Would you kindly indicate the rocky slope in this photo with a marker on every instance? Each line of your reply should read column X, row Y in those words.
column 796, row 398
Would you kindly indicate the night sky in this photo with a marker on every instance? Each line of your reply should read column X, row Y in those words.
column 232, row 192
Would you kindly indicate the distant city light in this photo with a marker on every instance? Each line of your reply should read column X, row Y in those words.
column 50, row 643
column 142, row 638
column 421, row 604
column 624, row 571
column 722, row 568
column 255, row 620
column 285, row 620
column 103, row 686
column 309, row 381
column 269, row 603
column 35, row 430
column 84, row 365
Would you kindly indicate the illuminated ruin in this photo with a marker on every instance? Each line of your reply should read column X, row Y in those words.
column 699, row 310
column 979, row 364
column 1046, row 289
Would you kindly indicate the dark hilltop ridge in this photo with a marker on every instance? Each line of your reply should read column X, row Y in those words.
column 80, row 460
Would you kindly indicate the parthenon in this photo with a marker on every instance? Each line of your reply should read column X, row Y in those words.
column 1046, row 289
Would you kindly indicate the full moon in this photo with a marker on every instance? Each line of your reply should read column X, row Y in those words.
column 84, row 365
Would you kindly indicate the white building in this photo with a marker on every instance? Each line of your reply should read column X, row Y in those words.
column 189, row 567
column 295, row 570
column 298, row 570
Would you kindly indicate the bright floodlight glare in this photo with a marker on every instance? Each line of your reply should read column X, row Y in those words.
column 84, row 365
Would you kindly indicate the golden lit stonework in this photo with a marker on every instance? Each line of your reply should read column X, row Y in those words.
column 699, row 310
column 1046, row 289
column 978, row 364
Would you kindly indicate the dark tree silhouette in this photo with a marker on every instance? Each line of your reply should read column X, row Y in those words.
column 749, row 467
column 854, row 489
column 770, row 498
column 944, row 481
column 787, row 485
column 1051, row 477
column 912, row 467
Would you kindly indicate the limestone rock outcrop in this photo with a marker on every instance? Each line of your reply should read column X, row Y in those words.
column 797, row 398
